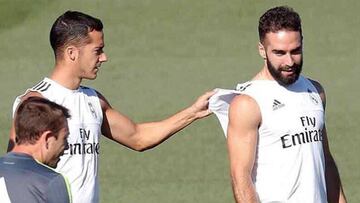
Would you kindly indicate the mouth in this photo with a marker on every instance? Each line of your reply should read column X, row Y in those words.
column 289, row 74
column 289, row 71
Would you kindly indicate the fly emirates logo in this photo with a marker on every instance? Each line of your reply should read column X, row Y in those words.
column 308, row 135
column 86, row 146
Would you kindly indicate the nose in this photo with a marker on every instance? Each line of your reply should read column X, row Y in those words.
column 103, row 57
column 289, row 61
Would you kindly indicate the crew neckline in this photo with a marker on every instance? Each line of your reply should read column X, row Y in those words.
column 61, row 86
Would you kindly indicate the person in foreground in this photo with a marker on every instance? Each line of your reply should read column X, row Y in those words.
column 78, row 43
column 276, row 136
column 25, row 173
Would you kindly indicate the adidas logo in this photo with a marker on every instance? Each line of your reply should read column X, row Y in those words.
column 277, row 105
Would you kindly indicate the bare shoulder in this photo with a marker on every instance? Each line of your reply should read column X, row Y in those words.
column 245, row 107
column 242, row 101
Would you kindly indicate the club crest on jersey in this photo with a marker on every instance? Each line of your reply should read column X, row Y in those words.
column 312, row 97
column 277, row 105
column 91, row 107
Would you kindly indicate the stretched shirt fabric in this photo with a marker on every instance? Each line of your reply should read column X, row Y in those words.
column 289, row 163
column 23, row 179
column 80, row 161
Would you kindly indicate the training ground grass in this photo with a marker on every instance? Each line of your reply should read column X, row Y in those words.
column 162, row 55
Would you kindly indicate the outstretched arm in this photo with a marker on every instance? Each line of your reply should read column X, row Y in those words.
column 244, row 119
column 143, row 136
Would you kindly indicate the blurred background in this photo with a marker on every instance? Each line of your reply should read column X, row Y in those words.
column 162, row 55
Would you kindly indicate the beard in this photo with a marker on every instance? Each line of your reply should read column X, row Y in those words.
column 281, row 79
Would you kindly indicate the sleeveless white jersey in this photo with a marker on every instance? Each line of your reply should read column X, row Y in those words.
column 80, row 161
column 289, row 164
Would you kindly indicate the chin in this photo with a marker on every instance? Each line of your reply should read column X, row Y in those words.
column 91, row 77
column 288, row 80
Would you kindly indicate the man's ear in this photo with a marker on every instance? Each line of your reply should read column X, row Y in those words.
column 262, row 51
column 72, row 53
column 47, row 137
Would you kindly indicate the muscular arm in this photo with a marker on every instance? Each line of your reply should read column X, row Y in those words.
column 12, row 136
column 144, row 136
column 333, row 183
column 244, row 119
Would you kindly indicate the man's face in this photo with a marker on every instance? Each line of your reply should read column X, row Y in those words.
column 284, row 59
column 92, row 55
column 56, row 147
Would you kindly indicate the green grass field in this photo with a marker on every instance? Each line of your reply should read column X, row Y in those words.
column 165, row 53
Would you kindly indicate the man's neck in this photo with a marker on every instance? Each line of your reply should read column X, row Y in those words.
column 264, row 74
column 28, row 149
column 65, row 77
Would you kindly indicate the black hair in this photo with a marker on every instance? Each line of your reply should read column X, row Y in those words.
column 279, row 18
column 72, row 27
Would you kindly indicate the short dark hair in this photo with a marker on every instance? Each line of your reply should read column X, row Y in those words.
column 279, row 18
column 72, row 27
column 36, row 115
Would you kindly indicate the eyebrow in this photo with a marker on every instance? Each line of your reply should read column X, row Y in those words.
column 291, row 51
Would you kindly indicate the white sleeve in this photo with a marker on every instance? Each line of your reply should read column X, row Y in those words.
column 219, row 104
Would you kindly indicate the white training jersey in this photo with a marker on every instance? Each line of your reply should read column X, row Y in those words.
column 80, row 161
column 289, row 165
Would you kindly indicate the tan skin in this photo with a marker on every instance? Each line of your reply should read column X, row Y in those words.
column 283, row 48
column 84, row 62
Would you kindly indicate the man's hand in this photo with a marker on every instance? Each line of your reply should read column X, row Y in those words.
column 201, row 106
